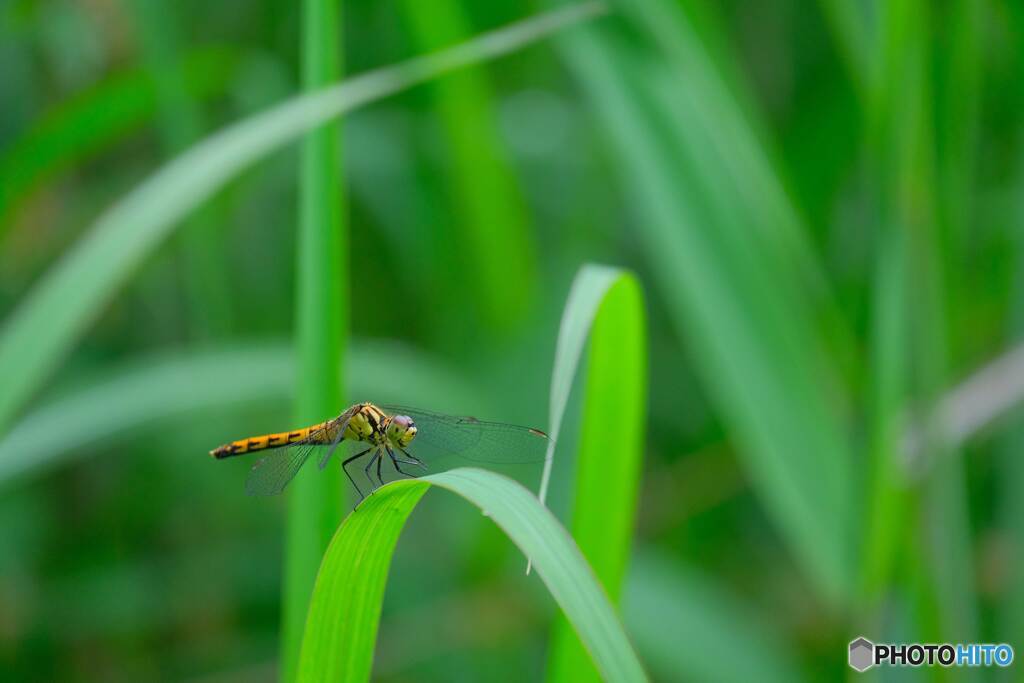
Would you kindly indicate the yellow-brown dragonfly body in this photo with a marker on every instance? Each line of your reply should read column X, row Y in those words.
column 390, row 431
column 361, row 422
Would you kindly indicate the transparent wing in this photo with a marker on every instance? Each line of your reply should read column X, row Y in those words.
column 273, row 471
column 278, row 466
column 439, row 436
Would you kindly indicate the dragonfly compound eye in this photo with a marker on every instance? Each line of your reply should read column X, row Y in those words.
column 410, row 432
column 403, row 429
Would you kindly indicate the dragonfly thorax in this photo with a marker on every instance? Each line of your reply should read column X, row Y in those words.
column 370, row 424
column 362, row 426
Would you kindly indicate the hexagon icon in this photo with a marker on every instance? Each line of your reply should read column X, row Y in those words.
column 861, row 651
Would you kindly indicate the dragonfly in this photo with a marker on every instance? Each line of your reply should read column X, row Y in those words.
column 406, row 436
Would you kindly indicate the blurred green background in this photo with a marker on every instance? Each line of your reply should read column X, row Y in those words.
column 821, row 200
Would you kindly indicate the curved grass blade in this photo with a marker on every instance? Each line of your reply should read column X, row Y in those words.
column 210, row 384
column 341, row 629
column 610, row 454
column 585, row 295
column 35, row 337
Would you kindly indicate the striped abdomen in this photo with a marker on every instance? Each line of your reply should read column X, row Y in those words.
column 321, row 432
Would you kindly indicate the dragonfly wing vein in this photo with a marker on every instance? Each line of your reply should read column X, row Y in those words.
column 271, row 473
column 439, row 436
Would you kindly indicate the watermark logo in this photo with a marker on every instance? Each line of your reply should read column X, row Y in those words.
column 863, row 654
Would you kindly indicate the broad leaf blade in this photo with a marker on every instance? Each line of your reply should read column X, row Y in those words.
column 611, row 449
column 345, row 609
column 585, row 296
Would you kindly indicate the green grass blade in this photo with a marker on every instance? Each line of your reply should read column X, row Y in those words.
column 315, row 502
column 904, row 150
column 344, row 612
column 885, row 483
column 1010, row 611
column 610, row 456
column 491, row 224
column 689, row 629
column 208, row 385
column 50, row 318
column 346, row 605
column 743, row 309
column 588, row 289
column 1010, row 516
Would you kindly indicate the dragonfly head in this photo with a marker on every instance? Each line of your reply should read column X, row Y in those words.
column 401, row 430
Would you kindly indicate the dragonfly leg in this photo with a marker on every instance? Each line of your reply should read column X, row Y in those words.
column 345, row 469
column 373, row 458
column 413, row 458
column 380, row 459
column 395, row 460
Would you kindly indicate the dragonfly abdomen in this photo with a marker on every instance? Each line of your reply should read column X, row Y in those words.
column 275, row 440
